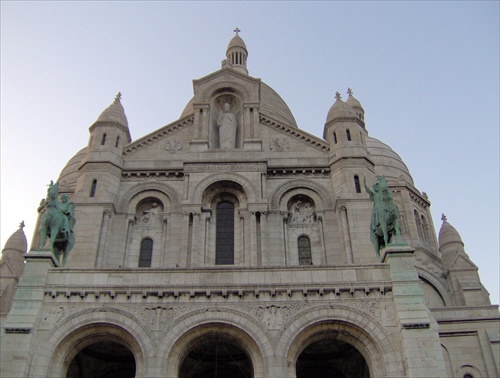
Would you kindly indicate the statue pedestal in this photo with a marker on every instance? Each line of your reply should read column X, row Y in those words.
column 198, row 145
column 23, row 316
column 252, row 144
column 419, row 329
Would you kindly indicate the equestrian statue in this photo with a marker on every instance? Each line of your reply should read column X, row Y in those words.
column 57, row 224
column 384, row 224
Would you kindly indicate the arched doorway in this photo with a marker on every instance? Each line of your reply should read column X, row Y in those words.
column 330, row 357
column 215, row 355
column 103, row 359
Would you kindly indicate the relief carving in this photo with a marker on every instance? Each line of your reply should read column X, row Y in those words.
column 278, row 144
column 302, row 214
column 173, row 146
column 150, row 219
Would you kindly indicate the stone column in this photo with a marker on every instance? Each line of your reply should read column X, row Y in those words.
column 16, row 340
column 419, row 330
column 347, row 234
column 103, row 238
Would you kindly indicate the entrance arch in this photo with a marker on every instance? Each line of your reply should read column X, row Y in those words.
column 216, row 355
column 331, row 357
column 104, row 357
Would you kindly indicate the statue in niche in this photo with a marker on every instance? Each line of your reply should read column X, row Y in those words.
column 57, row 224
column 384, row 223
column 302, row 214
column 151, row 218
column 226, row 123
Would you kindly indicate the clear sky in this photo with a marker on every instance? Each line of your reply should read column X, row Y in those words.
column 426, row 73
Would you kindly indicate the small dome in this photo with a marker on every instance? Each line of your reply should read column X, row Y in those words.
column 17, row 241
column 387, row 162
column 69, row 174
column 448, row 234
column 114, row 113
column 340, row 110
column 236, row 41
column 355, row 104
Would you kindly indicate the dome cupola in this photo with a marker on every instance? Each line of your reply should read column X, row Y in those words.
column 340, row 109
column 114, row 113
column 15, row 247
column 448, row 234
column 237, row 53
column 355, row 105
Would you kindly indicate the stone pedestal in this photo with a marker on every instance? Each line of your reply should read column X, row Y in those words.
column 17, row 335
column 419, row 330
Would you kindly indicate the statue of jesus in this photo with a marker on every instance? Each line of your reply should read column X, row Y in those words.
column 227, row 128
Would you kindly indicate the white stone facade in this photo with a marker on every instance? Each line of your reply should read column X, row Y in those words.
column 300, row 280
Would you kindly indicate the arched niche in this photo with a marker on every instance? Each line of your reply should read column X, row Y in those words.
column 226, row 120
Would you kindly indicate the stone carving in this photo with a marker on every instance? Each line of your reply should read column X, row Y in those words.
column 226, row 123
column 54, row 316
column 57, row 224
column 151, row 219
column 279, row 144
column 301, row 214
column 173, row 146
column 385, row 215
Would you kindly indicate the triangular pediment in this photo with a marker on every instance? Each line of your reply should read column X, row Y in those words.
column 163, row 134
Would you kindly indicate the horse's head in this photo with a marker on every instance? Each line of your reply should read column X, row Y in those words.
column 53, row 191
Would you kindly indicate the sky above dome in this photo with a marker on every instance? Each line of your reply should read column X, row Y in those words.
column 426, row 73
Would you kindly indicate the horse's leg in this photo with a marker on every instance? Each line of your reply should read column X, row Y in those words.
column 43, row 236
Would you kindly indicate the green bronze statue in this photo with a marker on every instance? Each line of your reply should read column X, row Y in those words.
column 57, row 224
column 384, row 224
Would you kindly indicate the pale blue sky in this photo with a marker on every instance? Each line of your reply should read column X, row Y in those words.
column 426, row 73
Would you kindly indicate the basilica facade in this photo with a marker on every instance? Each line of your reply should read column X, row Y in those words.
column 231, row 243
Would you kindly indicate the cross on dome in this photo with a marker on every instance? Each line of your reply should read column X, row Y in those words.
column 349, row 91
column 236, row 30
column 443, row 218
column 118, row 97
column 338, row 96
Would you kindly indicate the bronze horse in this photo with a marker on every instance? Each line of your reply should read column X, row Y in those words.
column 384, row 224
column 57, row 224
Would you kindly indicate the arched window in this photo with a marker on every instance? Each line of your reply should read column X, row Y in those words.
column 304, row 250
column 425, row 229
column 334, row 137
column 418, row 223
column 93, row 188
column 356, row 184
column 348, row 133
column 146, row 253
column 103, row 140
column 224, row 239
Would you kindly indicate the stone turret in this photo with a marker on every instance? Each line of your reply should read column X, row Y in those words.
column 11, row 267
column 237, row 53
column 345, row 131
column 108, row 134
column 461, row 272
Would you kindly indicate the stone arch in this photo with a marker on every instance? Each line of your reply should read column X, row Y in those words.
column 53, row 356
column 140, row 191
column 370, row 338
column 237, row 87
column 470, row 370
column 241, row 327
column 248, row 188
column 436, row 284
column 317, row 192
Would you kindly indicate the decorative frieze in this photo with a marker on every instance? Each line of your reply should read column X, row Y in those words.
column 229, row 167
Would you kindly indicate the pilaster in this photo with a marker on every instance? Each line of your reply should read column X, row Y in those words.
column 17, row 332
column 419, row 330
